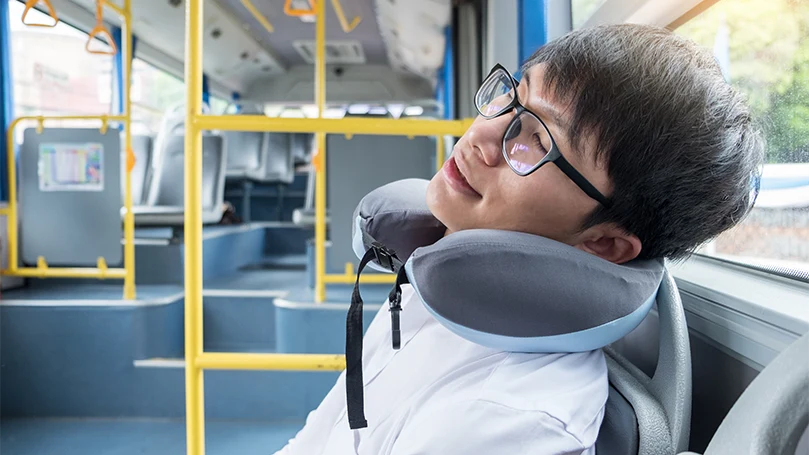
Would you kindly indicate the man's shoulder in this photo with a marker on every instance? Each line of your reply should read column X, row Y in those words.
column 570, row 388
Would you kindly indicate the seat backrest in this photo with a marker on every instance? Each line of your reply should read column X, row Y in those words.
column 277, row 163
column 772, row 414
column 660, row 405
column 303, row 146
column 142, row 149
column 244, row 152
column 168, row 184
column 619, row 429
column 245, row 148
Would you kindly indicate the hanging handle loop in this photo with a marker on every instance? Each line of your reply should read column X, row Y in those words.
column 101, row 32
column 290, row 11
column 30, row 4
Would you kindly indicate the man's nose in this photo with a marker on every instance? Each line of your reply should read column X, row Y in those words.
column 486, row 135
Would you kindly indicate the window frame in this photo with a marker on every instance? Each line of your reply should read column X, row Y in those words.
column 774, row 271
column 751, row 312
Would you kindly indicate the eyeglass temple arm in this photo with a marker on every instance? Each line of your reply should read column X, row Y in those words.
column 579, row 180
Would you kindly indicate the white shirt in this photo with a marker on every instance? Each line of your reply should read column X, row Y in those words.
column 441, row 394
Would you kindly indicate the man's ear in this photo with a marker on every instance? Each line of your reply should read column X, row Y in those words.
column 610, row 243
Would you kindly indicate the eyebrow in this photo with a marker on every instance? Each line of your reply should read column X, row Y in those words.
column 547, row 109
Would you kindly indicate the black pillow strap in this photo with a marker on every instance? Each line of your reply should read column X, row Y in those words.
column 354, row 382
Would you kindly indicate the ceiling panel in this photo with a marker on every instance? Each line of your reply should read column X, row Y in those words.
column 288, row 29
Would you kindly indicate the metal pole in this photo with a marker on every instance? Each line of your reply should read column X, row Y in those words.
column 320, row 159
column 129, row 217
column 194, row 387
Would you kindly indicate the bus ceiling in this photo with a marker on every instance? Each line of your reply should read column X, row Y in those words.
column 376, row 50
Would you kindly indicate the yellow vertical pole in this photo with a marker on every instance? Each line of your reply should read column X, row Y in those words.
column 129, row 217
column 11, row 217
column 194, row 391
column 320, row 159
column 440, row 153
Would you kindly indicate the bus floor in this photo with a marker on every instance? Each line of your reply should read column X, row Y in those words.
column 54, row 436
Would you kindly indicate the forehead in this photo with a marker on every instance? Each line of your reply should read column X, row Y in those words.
column 578, row 147
column 542, row 98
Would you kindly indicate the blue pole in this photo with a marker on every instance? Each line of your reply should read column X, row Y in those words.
column 236, row 97
column 448, row 86
column 206, row 91
column 6, row 93
column 118, row 72
column 532, row 27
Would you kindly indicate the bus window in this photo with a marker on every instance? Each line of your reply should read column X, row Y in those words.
column 583, row 9
column 153, row 91
column 53, row 73
column 763, row 50
column 221, row 106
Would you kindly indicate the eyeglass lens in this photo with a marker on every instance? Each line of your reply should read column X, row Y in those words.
column 526, row 140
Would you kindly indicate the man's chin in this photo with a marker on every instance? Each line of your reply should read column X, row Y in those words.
column 440, row 203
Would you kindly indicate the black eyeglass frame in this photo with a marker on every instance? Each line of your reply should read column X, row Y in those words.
column 553, row 156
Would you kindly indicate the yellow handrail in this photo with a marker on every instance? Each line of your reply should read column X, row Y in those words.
column 258, row 16
column 100, row 271
column 351, row 125
column 279, row 362
column 320, row 158
column 195, row 359
column 341, row 16
column 129, row 216
column 51, row 12
column 194, row 386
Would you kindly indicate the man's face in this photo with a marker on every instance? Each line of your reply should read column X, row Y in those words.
column 476, row 188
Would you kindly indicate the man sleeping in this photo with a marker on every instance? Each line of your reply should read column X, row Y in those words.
column 622, row 143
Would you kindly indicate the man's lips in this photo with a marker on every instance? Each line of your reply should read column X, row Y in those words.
column 456, row 178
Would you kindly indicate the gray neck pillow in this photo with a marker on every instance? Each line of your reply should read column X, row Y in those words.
column 505, row 290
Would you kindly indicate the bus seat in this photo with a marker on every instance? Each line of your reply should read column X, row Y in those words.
column 644, row 415
column 244, row 153
column 166, row 193
column 244, row 148
column 619, row 429
column 303, row 147
column 276, row 164
column 305, row 216
column 142, row 149
column 772, row 415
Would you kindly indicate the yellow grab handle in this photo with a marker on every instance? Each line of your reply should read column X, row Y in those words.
column 289, row 11
column 100, row 31
column 51, row 12
column 338, row 8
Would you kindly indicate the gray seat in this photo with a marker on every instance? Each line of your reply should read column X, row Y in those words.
column 277, row 164
column 305, row 216
column 244, row 153
column 258, row 156
column 303, row 147
column 166, row 193
column 771, row 417
column 651, row 415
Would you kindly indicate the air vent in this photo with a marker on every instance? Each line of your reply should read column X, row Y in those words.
column 345, row 52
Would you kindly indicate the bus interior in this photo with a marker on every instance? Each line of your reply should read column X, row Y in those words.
column 176, row 249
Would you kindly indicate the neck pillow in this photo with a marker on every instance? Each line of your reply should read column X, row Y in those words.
column 505, row 290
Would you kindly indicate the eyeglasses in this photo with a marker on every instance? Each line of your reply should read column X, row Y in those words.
column 527, row 142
